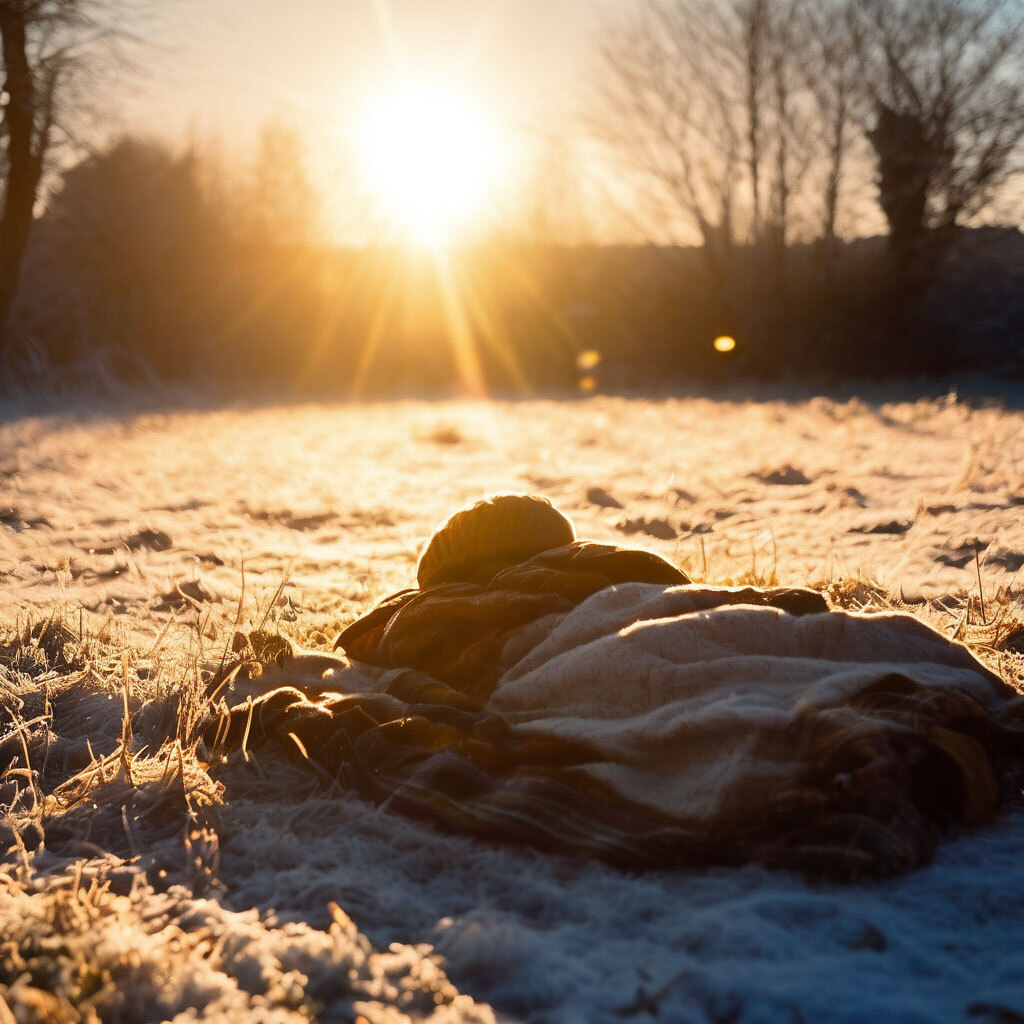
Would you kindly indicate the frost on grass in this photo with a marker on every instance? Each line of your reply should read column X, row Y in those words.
column 90, row 943
column 109, row 898
column 137, row 875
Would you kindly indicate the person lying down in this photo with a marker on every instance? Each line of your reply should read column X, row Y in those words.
column 590, row 700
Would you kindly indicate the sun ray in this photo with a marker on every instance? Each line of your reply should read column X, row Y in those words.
column 563, row 329
column 471, row 380
column 289, row 272
column 370, row 345
column 494, row 335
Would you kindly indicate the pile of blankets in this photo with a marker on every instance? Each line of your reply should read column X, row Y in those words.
column 589, row 700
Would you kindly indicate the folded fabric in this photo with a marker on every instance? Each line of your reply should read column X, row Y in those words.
column 589, row 700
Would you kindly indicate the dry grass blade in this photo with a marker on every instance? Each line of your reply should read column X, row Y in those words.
column 981, row 589
column 248, row 726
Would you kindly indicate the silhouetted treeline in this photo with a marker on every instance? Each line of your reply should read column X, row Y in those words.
column 140, row 261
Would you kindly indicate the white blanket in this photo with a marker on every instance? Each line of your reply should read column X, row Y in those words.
column 683, row 695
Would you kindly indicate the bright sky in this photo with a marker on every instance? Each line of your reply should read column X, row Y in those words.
column 224, row 67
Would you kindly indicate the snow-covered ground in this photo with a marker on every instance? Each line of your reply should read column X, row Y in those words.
column 110, row 511
column 155, row 520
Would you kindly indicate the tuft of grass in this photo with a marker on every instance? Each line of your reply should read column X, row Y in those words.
column 858, row 593
column 757, row 574
column 443, row 434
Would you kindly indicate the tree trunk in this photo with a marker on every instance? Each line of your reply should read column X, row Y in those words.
column 24, row 164
column 783, row 185
column 837, row 149
column 753, row 18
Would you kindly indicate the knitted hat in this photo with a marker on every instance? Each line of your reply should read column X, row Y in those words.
column 494, row 533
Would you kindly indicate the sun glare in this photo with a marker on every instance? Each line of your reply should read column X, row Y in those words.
column 430, row 158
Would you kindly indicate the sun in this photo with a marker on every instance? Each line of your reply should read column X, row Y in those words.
column 430, row 159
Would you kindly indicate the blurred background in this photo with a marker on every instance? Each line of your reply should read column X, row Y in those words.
column 464, row 197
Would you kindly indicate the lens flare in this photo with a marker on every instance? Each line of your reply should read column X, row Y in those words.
column 724, row 343
column 588, row 359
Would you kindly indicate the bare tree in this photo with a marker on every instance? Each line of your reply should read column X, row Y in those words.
column 945, row 79
column 26, row 127
column 44, row 45
column 796, row 126
column 754, row 26
column 680, row 144
column 707, row 108
column 740, row 117
column 830, row 69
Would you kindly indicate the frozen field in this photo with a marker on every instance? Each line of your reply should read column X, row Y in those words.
column 150, row 524
column 112, row 512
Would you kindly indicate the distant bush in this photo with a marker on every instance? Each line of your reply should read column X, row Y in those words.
column 124, row 257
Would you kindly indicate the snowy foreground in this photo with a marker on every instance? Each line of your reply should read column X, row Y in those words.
column 147, row 525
